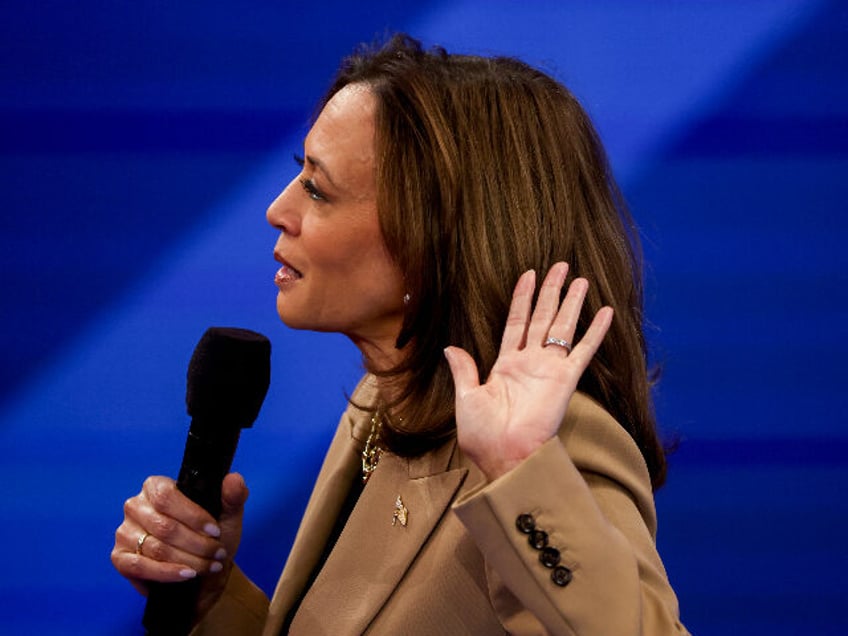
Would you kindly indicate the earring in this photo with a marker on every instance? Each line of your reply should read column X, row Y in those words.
column 406, row 298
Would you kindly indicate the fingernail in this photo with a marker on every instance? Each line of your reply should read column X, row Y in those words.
column 216, row 566
column 188, row 573
column 526, row 281
column 212, row 530
column 221, row 554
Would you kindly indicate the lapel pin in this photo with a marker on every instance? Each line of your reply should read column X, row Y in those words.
column 400, row 513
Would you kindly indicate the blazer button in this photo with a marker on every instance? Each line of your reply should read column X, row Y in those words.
column 525, row 523
column 538, row 539
column 549, row 557
column 561, row 575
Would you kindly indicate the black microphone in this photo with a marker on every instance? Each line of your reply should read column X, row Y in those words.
column 228, row 377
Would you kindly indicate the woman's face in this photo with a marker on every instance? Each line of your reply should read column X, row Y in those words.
column 336, row 274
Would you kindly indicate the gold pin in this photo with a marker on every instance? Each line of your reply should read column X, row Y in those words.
column 400, row 513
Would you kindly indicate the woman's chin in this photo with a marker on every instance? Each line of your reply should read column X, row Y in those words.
column 288, row 316
column 293, row 318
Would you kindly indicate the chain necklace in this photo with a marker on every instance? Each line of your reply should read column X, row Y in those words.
column 371, row 452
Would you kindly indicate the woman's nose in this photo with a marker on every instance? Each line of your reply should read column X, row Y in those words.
column 282, row 213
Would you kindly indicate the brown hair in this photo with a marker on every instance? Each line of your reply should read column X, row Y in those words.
column 487, row 167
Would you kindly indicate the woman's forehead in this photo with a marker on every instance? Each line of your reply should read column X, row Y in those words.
column 349, row 110
column 342, row 138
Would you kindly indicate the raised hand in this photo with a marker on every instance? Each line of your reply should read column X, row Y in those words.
column 523, row 401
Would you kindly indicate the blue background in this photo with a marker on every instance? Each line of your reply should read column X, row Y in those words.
column 141, row 142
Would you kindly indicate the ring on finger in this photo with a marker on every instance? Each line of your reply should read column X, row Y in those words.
column 140, row 543
column 559, row 342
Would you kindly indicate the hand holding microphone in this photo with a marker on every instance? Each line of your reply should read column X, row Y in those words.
column 172, row 543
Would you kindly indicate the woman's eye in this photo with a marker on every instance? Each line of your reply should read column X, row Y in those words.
column 308, row 184
column 313, row 192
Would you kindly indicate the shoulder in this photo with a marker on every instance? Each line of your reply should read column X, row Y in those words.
column 366, row 390
column 357, row 416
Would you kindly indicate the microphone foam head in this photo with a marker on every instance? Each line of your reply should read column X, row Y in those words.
column 228, row 376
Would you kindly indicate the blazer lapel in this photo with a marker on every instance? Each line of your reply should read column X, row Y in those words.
column 340, row 467
column 372, row 554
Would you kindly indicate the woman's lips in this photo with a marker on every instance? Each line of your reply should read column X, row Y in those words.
column 286, row 274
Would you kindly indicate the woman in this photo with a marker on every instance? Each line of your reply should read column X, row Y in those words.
column 432, row 188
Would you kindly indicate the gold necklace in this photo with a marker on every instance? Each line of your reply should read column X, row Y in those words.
column 371, row 452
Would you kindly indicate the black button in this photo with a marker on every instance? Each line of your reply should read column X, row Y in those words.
column 525, row 523
column 538, row 539
column 549, row 557
column 561, row 575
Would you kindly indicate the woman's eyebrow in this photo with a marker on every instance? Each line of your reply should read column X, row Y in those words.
column 316, row 163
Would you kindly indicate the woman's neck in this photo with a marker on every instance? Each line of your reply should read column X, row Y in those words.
column 380, row 356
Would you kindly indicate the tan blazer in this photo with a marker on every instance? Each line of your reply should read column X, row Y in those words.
column 461, row 565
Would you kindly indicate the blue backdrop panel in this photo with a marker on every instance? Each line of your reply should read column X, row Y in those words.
column 141, row 143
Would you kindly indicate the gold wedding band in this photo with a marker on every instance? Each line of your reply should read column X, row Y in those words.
column 140, row 542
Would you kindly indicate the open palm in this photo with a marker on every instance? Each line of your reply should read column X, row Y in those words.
column 523, row 401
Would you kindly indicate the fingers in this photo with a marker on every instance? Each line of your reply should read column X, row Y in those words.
column 532, row 326
column 182, row 540
column 147, row 566
column 582, row 353
column 550, row 318
column 180, row 529
column 515, row 332
column 163, row 497
column 565, row 323
column 463, row 369
column 547, row 305
column 234, row 495
column 200, row 553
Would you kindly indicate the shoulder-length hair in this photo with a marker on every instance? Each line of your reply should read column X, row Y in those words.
column 485, row 168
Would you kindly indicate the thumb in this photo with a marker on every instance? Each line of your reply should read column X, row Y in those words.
column 234, row 494
column 463, row 369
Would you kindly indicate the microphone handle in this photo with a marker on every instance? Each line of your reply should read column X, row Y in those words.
column 209, row 451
